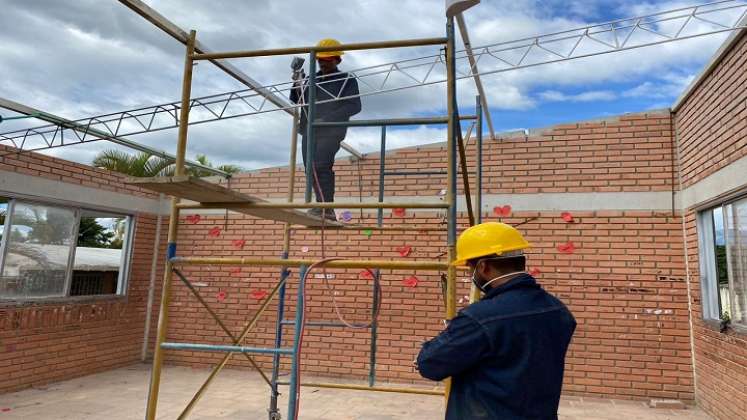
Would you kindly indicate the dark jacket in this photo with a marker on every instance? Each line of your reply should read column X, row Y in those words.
column 329, row 87
column 505, row 354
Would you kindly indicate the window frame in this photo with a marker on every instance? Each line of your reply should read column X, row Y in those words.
column 709, row 287
column 125, row 264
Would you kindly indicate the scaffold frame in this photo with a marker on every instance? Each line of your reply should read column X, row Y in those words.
column 455, row 144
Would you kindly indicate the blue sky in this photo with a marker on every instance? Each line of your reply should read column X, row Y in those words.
column 89, row 57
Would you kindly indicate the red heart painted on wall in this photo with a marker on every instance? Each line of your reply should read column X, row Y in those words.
column 411, row 281
column 567, row 216
column 234, row 271
column 194, row 218
column 502, row 211
column 258, row 294
column 534, row 272
column 399, row 212
column 214, row 232
column 366, row 274
column 221, row 296
column 567, row 248
column 238, row 243
column 404, row 250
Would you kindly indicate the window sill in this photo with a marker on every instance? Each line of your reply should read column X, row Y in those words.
column 715, row 325
column 69, row 300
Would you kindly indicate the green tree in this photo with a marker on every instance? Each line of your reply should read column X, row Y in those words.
column 48, row 226
column 146, row 165
column 92, row 235
column 141, row 164
column 202, row 159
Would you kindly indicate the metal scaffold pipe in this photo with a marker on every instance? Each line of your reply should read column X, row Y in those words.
column 163, row 319
column 315, row 49
column 269, row 262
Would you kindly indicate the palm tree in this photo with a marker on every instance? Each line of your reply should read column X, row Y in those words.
column 146, row 165
column 203, row 160
column 141, row 164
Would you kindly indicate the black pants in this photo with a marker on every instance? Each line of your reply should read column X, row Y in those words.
column 324, row 158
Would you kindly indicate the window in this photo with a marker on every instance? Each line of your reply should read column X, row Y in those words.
column 3, row 213
column 723, row 262
column 99, row 254
column 50, row 251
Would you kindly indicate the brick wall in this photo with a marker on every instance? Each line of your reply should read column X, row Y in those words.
column 625, row 282
column 712, row 121
column 630, row 153
column 712, row 128
column 45, row 342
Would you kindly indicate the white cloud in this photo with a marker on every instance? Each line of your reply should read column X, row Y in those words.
column 86, row 57
column 590, row 96
column 668, row 86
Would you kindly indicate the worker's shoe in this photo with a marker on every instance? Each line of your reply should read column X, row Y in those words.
column 328, row 214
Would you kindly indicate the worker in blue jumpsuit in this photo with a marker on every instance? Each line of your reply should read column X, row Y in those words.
column 331, row 83
column 505, row 354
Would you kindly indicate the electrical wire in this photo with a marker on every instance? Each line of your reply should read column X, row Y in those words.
column 340, row 317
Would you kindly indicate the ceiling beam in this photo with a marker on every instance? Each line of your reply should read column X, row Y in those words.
column 160, row 21
column 63, row 122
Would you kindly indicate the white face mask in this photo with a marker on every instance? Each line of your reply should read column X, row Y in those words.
column 484, row 288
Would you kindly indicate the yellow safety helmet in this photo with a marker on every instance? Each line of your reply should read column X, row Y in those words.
column 491, row 238
column 329, row 42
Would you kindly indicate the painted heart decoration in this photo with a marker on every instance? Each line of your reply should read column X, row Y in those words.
column 214, row 232
column 399, row 212
column 567, row 216
column 238, row 243
column 366, row 274
column 502, row 211
column 404, row 250
column 221, row 296
column 411, row 281
column 258, row 294
column 194, row 218
column 567, row 248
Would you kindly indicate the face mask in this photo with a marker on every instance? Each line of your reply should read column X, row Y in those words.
column 483, row 288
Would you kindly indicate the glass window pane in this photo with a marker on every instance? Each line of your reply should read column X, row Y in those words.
column 722, row 270
column 736, row 250
column 98, row 254
column 3, row 214
column 38, row 250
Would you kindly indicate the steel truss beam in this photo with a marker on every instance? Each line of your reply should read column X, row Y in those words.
column 160, row 21
column 588, row 41
column 82, row 134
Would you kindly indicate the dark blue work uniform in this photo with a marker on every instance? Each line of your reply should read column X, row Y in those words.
column 505, row 354
column 327, row 139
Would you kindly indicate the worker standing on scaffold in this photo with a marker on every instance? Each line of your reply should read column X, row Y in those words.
column 331, row 83
column 505, row 354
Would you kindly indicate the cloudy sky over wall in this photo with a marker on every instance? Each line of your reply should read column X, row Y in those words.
column 86, row 57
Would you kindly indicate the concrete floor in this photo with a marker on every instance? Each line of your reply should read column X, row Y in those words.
column 120, row 394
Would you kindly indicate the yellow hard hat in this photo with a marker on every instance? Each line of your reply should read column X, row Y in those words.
column 490, row 238
column 329, row 42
